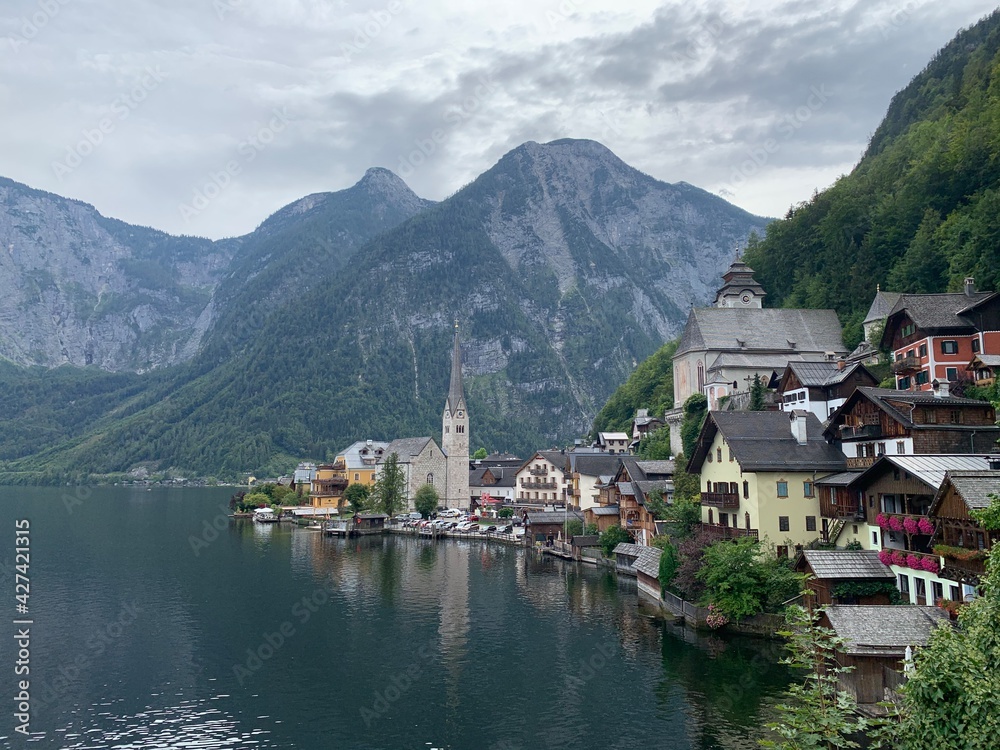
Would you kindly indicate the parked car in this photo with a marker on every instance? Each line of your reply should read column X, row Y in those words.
column 489, row 529
column 508, row 529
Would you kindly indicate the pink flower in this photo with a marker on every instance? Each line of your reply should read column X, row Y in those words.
column 930, row 565
column 895, row 524
column 882, row 520
column 925, row 526
column 910, row 526
column 885, row 556
column 898, row 558
column 912, row 561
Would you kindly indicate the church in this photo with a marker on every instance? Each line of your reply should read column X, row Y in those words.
column 724, row 346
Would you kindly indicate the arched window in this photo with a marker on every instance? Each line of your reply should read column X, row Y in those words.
column 701, row 376
column 430, row 478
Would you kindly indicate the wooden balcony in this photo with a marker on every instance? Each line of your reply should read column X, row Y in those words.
column 720, row 499
column 865, row 431
column 728, row 532
column 538, row 471
column 906, row 364
column 860, row 462
column 538, row 484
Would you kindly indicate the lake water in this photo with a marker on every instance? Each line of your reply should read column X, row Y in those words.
column 157, row 622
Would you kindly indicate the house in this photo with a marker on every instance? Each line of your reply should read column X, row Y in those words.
column 984, row 369
column 368, row 523
column 842, row 512
column 723, row 347
column 585, row 471
column 422, row 462
column 613, row 442
column 897, row 493
column 821, row 387
column 643, row 425
column 881, row 422
column 934, row 336
column 542, row 527
column 541, row 480
column 958, row 538
column 360, row 459
column 602, row 516
column 647, row 571
column 626, row 554
column 758, row 472
column 880, row 308
column 633, row 484
column 303, row 475
column 846, row 577
column 492, row 485
column 877, row 639
column 326, row 490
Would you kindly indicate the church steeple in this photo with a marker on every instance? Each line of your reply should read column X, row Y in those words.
column 739, row 287
column 456, row 395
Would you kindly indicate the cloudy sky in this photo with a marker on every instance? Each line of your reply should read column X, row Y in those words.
column 205, row 116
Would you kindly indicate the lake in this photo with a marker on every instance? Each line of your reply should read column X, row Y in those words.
column 156, row 621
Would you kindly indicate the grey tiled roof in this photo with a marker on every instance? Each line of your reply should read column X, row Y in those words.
column 819, row 374
column 648, row 562
column 842, row 479
column 758, row 360
column 632, row 550
column 604, row 510
column 594, row 464
column 884, row 630
column 847, row 564
column 763, row 330
column 763, row 441
column 653, row 468
column 936, row 311
column 975, row 487
column 406, row 448
column 989, row 360
column 930, row 469
column 882, row 305
column 898, row 404
column 553, row 516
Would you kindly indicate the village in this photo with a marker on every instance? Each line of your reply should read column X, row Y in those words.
column 872, row 492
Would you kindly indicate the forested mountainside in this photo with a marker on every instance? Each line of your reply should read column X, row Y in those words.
column 563, row 266
column 919, row 213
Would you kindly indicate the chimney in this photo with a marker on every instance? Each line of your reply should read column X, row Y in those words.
column 799, row 431
column 944, row 389
column 841, row 364
column 970, row 286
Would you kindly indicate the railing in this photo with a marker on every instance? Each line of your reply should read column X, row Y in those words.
column 860, row 462
column 538, row 471
column 720, row 499
column 728, row 532
column 906, row 364
column 873, row 431
column 537, row 484
column 851, row 511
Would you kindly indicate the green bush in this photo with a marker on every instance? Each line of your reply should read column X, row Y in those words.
column 611, row 538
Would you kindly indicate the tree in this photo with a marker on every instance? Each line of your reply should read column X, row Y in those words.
column 669, row 563
column 952, row 699
column 758, row 393
column 575, row 527
column 695, row 409
column 611, row 538
column 655, row 446
column 505, row 513
column 686, row 486
column 356, row 495
column 741, row 583
column 389, row 491
column 685, row 516
column 426, row 500
column 479, row 455
column 818, row 715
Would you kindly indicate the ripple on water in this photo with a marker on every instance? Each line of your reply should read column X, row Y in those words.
column 188, row 724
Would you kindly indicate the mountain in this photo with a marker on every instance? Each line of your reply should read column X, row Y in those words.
column 78, row 288
column 920, row 211
column 562, row 265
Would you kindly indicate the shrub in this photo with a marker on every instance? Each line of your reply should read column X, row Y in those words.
column 611, row 538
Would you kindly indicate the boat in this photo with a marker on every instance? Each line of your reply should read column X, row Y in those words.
column 264, row 515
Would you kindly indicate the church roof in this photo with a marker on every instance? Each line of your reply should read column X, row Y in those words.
column 456, row 396
column 406, row 448
column 882, row 305
column 762, row 330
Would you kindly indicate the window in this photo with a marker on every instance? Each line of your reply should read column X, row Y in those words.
column 783, row 491
column 782, row 551
column 904, row 384
column 730, row 455
column 975, row 346
column 922, row 377
column 954, row 594
column 746, row 489
column 430, row 478
column 357, row 477
column 724, row 519
column 956, row 416
column 709, row 457
column 718, row 455
column 904, row 584
column 447, row 430
column 875, row 539
column 782, row 523
column 807, row 489
column 930, row 416
column 949, row 347
column 951, row 374
column 810, row 523
column 734, row 489
column 881, row 450
column 459, row 428
column 923, row 350
column 900, row 447
column 938, row 590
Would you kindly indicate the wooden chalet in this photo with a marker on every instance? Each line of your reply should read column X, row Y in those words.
column 626, row 554
column 647, row 571
column 368, row 523
column 633, row 483
column 984, row 369
column 877, row 639
column 846, row 577
column 821, row 387
column 548, row 526
column 958, row 538
column 881, row 422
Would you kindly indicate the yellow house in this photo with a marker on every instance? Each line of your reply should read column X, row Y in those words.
column 355, row 465
column 758, row 474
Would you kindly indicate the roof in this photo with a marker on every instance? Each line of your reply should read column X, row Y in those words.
column 406, row 448
column 356, row 453
column 505, row 476
column 648, row 562
column 862, row 351
column 897, row 404
column 555, row 457
column 372, row 516
column 653, row 468
column 632, row 550
column 753, row 360
column 761, row 329
column 884, row 630
column 823, row 374
column 612, row 436
column 763, row 441
column 843, row 479
column 974, row 487
column 931, row 469
column 456, row 396
column 594, row 464
column 986, row 360
column 548, row 517
column 882, row 305
column 936, row 311
column 847, row 564
column 604, row 510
